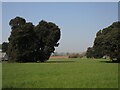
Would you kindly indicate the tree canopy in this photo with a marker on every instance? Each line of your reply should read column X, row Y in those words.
column 107, row 42
column 30, row 43
column 4, row 46
column 0, row 46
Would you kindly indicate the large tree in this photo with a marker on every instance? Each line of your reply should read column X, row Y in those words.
column 29, row 43
column 107, row 42
column 48, row 35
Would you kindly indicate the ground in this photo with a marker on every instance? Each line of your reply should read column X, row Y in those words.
column 0, row 75
column 61, row 73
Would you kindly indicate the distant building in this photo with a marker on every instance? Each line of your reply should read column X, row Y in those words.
column 3, row 56
column 105, row 57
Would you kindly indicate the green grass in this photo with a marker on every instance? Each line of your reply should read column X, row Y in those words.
column 61, row 73
column 0, row 75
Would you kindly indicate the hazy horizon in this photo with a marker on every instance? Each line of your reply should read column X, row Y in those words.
column 78, row 21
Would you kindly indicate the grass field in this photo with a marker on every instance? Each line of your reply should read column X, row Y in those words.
column 0, row 75
column 61, row 73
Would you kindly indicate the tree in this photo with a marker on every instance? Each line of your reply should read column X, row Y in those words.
column 107, row 42
column 90, row 52
column 4, row 46
column 17, row 22
column 22, row 43
column 29, row 43
column 93, row 53
column 48, row 35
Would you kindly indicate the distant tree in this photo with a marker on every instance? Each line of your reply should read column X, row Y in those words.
column 75, row 55
column 82, row 55
column 90, row 52
column 4, row 46
column 29, row 43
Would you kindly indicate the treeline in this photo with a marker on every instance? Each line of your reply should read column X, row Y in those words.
column 76, row 55
column 106, row 43
column 70, row 55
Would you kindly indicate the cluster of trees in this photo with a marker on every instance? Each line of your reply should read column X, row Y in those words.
column 30, row 43
column 106, row 43
column 70, row 55
column 76, row 55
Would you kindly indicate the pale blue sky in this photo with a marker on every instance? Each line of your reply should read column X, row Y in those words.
column 0, row 13
column 78, row 21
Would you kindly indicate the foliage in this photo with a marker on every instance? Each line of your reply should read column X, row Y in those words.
column 90, row 52
column 4, row 46
column 76, row 55
column 29, row 43
column 107, row 42
column 0, row 46
column 93, row 53
column 48, row 35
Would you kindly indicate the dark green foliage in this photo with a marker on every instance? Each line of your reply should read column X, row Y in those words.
column 107, row 42
column 22, row 43
column 90, row 52
column 4, row 47
column 0, row 46
column 29, row 43
column 76, row 55
column 48, row 35
column 93, row 53
column 17, row 22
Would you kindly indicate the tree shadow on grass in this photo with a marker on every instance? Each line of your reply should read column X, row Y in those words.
column 116, row 61
column 60, row 61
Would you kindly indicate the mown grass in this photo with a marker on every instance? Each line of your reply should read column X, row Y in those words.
column 0, row 75
column 61, row 73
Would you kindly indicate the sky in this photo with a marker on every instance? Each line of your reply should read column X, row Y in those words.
column 78, row 21
column 0, row 22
